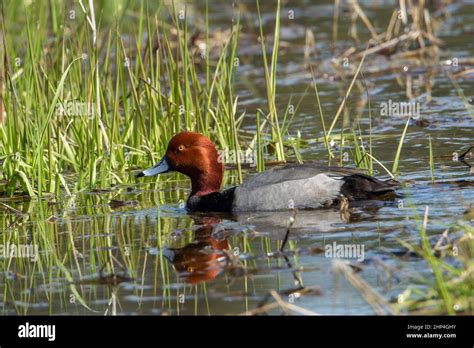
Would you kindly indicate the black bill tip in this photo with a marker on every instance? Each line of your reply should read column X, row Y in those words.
column 139, row 175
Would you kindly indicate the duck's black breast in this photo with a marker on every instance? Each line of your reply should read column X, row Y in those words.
column 212, row 202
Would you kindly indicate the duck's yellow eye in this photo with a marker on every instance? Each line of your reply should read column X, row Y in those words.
column 180, row 148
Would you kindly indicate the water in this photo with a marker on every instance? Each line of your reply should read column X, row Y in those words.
column 185, row 264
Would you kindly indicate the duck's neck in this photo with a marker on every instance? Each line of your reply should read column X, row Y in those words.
column 207, row 182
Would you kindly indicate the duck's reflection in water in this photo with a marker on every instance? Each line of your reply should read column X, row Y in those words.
column 206, row 256
column 202, row 259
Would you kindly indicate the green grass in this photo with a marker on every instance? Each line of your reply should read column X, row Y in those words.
column 444, row 286
column 270, row 81
column 137, row 91
column 139, row 95
column 450, row 261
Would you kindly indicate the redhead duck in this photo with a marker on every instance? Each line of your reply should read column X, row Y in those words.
column 298, row 186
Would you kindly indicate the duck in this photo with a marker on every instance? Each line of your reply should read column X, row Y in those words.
column 288, row 186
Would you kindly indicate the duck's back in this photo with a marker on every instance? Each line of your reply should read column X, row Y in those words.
column 305, row 186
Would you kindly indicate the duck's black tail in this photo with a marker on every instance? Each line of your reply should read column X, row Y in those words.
column 364, row 187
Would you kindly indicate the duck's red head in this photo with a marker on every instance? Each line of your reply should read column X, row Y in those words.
column 194, row 155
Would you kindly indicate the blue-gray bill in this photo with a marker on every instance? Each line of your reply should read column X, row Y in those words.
column 161, row 167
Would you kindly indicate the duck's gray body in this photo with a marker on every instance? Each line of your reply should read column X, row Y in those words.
column 304, row 186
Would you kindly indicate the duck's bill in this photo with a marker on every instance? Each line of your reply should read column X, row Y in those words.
column 168, row 254
column 161, row 167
